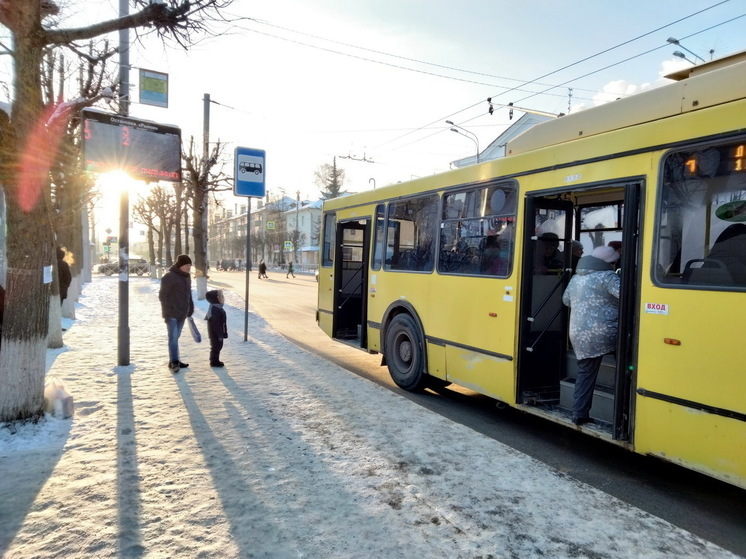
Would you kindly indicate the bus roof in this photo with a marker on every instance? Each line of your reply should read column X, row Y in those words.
column 699, row 87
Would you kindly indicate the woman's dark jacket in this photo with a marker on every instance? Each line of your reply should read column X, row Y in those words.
column 176, row 294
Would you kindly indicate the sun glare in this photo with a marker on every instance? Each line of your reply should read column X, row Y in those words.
column 116, row 181
column 110, row 186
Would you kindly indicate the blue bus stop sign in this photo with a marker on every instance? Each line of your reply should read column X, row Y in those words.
column 249, row 172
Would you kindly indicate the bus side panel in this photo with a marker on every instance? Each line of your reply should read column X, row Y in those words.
column 326, row 322
column 707, row 443
column 705, row 372
column 489, row 375
column 478, row 313
column 326, row 300
column 436, row 361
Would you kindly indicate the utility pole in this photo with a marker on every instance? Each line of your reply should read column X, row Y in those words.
column 123, row 334
column 297, row 231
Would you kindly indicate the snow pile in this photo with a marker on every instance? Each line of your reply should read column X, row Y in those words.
column 279, row 455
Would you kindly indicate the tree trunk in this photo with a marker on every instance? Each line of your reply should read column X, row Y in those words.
column 200, row 201
column 30, row 240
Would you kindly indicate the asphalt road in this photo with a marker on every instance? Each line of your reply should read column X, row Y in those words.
column 711, row 509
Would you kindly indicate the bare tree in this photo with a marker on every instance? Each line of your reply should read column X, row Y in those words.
column 202, row 178
column 28, row 145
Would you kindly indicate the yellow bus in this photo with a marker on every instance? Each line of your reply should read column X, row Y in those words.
column 458, row 277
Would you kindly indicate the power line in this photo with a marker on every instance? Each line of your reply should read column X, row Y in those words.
column 637, row 56
column 389, row 64
column 384, row 53
column 441, row 119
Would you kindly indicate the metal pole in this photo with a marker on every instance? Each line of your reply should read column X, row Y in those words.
column 206, row 127
column 124, row 74
column 248, row 272
column 205, row 158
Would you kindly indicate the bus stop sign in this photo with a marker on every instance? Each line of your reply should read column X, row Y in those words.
column 249, row 172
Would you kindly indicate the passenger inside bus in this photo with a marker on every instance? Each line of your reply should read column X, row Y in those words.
column 577, row 252
column 730, row 250
column 617, row 246
column 549, row 258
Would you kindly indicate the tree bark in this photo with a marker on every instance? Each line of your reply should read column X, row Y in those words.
column 30, row 239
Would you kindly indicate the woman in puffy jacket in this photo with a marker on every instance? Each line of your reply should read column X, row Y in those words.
column 593, row 297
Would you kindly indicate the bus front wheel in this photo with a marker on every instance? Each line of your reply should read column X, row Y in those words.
column 405, row 353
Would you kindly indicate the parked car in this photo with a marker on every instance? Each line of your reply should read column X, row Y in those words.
column 138, row 266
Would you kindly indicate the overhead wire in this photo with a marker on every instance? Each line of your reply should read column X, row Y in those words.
column 440, row 120
column 401, row 57
column 636, row 56
column 518, row 88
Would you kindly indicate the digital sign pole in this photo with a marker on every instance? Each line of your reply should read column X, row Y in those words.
column 144, row 150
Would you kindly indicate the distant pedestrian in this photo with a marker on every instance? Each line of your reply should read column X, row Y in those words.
column 63, row 272
column 176, row 305
column 262, row 270
column 290, row 270
column 217, row 326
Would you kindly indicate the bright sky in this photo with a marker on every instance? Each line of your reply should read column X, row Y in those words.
column 307, row 81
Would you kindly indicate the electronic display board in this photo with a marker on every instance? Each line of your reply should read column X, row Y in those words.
column 144, row 150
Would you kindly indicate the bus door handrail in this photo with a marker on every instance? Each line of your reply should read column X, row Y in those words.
column 533, row 345
column 532, row 318
column 549, row 296
column 341, row 289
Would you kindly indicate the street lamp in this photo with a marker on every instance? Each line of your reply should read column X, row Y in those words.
column 680, row 54
column 464, row 132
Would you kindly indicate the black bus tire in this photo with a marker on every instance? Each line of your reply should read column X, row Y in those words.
column 405, row 353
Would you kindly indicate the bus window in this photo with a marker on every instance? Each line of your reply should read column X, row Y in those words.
column 410, row 240
column 701, row 234
column 600, row 225
column 378, row 241
column 476, row 234
column 330, row 230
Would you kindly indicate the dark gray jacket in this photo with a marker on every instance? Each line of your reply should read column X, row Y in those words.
column 176, row 294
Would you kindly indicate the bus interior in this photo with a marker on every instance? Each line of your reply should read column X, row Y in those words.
column 547, row 367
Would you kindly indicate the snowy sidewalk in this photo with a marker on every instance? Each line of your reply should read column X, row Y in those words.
column 279, row 455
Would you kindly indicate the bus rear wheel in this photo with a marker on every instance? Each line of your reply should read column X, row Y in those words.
column 404, row 353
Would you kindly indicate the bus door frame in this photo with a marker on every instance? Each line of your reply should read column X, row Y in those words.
column 628, row 311
column 626, row 350
column 362, row 224
column 527, row 380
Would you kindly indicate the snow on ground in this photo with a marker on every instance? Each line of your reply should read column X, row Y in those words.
column 279, row 455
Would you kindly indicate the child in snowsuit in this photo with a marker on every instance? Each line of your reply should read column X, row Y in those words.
column 217, row 327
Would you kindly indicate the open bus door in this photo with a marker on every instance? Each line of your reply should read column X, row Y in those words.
column 350, row 281
column 543, row 330
column 547, row 363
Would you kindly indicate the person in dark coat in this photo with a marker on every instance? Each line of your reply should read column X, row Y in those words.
column 291, row 272
column 262, row 270
column 217, row 326
column 63, row 272
column 176, row 305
